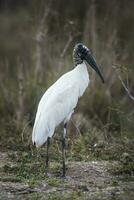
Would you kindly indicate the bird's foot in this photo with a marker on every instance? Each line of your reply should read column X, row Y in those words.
column 64, row 177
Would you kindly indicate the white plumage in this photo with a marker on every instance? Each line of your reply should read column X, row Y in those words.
column 58, row 103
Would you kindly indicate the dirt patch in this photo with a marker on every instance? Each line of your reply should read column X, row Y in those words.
column 85, row 180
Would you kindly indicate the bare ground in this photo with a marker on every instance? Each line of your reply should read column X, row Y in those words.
column 85, row 180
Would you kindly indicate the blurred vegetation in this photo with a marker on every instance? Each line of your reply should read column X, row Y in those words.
column 36, row 42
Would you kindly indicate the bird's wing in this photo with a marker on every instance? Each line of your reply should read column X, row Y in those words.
column 55, row 106
column 61, row 103
column 61, row 84
column 57, row 109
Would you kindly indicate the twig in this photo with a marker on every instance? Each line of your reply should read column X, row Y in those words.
column 66, row 46
column 127, row 90
column 70, row 39
column 24, row 129
column 123, row 84
column 123, row 114
column 21, row 94
column 77, row 129
column 40, row 38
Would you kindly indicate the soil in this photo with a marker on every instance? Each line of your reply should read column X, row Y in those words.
column 85, row 180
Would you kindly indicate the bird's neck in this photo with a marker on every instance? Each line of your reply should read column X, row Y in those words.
column 82, row 68
column 82, row 71
column 82, row 77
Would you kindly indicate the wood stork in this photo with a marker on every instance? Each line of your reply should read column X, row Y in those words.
column 58, row 102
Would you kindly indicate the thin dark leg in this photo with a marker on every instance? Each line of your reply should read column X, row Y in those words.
column 47, row 156
column 63, row 149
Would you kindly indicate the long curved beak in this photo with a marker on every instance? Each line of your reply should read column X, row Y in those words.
column 91, row 61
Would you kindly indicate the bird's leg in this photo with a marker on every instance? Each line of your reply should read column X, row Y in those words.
column 63, row 149
column 47, row 155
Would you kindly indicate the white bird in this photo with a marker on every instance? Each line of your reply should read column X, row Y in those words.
column 58, row 102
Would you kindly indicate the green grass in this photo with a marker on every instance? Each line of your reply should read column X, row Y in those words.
column 124, row 169
column 66, row 196
column 53, row 181
column 10, row 179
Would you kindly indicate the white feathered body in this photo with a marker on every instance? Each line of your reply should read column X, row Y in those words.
column 58, row 103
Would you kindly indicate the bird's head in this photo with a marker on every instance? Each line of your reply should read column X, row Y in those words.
column 82, row 53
